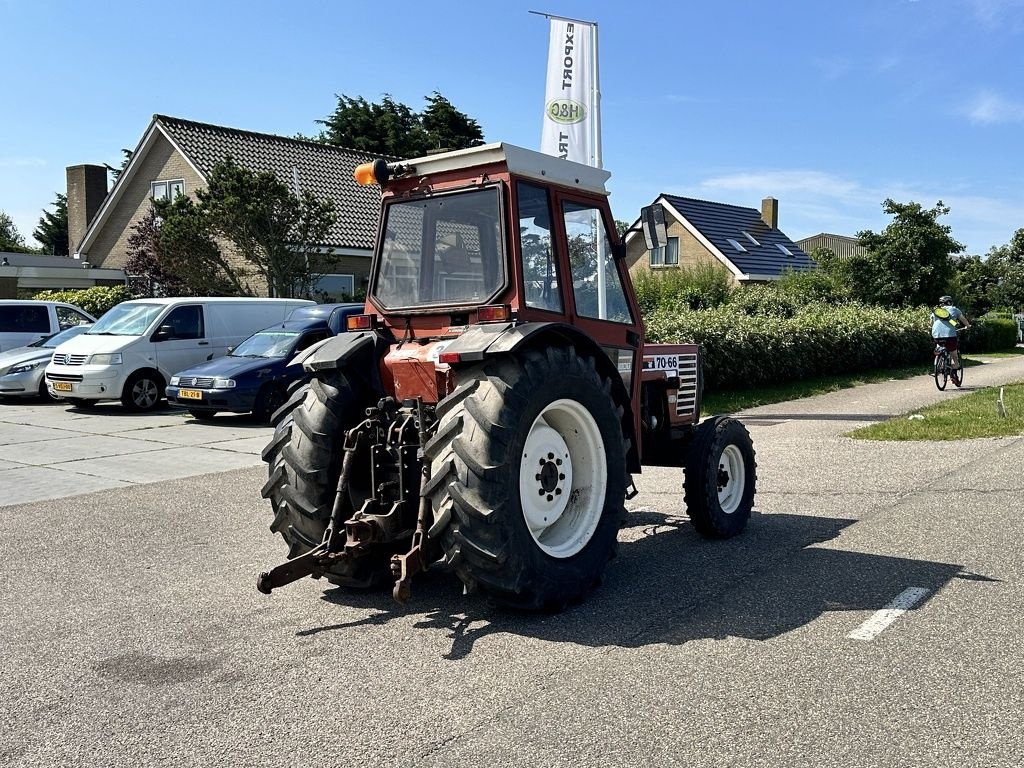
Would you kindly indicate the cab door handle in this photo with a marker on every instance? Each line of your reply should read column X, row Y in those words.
column 203, row 343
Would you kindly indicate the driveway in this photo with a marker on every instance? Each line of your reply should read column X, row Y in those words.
column 133, row 634
column 51, row 450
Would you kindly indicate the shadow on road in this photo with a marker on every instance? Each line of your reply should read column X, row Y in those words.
column 671, row 586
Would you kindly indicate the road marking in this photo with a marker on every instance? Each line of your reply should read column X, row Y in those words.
column 904, row 601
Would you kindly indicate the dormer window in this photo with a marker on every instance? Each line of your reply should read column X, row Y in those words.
column 167, row 190
column 736, row 244
column 751, row 238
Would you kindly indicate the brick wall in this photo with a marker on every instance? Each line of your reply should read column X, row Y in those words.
column 691, row 252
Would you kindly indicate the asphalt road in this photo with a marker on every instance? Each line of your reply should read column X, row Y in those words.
column 133, row 635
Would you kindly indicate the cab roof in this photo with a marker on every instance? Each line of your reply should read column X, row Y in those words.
column 521, row 162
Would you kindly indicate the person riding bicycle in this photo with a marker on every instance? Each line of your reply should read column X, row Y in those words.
column 946, row 321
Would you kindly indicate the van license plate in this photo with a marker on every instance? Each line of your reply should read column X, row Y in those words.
column 62, row 386
column 190, row 394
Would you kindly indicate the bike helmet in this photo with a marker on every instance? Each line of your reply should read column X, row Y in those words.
column 944, row 300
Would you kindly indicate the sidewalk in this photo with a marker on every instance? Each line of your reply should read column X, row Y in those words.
column 49, row 451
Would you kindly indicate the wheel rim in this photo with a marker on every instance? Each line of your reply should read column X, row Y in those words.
column 563, row 478
column 732, row 479
column 145, row 393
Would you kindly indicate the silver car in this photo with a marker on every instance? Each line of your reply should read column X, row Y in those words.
column 21, row 369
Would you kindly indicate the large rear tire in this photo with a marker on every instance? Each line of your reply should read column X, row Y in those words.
column 528, row 478
column 304, row 458
column 720, row 478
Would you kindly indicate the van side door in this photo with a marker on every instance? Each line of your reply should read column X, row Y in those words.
column 180, row 341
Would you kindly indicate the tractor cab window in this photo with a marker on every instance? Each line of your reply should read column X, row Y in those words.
column 540, row 267
column 443, row 250
column 595, row 275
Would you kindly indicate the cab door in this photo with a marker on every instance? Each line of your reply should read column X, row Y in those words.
column 600, row 303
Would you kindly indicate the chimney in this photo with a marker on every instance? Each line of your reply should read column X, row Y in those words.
column 770, row 212
column 87, row 188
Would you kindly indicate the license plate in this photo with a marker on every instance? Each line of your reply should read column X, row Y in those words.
column 190, row 394
column 62, row 386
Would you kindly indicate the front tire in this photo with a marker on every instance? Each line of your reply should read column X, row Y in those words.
column 720, row 478
column 268, row 400
column 528, row 478
column 143, row 391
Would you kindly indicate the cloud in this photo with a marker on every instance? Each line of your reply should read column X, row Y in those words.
column 989, row 108
column 21, row 162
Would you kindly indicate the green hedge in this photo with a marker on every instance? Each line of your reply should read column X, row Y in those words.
column 744, row 350
column 990, row 334
column 96, row 301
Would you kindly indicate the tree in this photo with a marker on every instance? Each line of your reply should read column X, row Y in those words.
column 52, row 230
column 115, row 173
column 392, row 128
column 974, row 283
column 908, row 263
column 10, row 238
column 276, row 231
column 1007, row 262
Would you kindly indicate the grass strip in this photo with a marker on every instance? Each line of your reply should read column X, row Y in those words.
column 971, row 415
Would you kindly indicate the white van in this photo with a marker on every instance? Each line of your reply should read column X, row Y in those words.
column 23, row 321
column 133, row 350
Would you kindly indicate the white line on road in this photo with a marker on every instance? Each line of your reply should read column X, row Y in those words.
column 904, row 601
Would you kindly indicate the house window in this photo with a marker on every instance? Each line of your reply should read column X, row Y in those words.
column 167, row 190
column 736, row 244
column 751, row 238
column 784, row 249
column 667, row 255
column 335, row 288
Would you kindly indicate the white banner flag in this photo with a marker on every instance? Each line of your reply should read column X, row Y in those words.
column 571, row 101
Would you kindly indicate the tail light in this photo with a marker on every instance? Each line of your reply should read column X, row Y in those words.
column 360, row 322
column 494, row 313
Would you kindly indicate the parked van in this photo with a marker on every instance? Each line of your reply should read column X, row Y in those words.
column 23, row 321
column 132, row 351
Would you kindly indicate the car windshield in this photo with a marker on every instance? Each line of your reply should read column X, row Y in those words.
column 126, row 320
column 267, row 344
column 59, row 338
column 442, row 250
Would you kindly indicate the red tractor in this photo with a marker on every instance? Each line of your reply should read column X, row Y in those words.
column 487, row 412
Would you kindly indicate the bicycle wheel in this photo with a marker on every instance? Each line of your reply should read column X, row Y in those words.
column 941, row 370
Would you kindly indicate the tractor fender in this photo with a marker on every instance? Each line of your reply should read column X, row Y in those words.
column 357, row 353
column 483, row 341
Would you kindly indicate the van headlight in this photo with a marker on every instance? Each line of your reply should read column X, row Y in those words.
column 25, row 367
column 111, row 359
column 223, row 383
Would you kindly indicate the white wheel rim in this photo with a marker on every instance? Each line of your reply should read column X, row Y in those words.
column 563, row 478
column 144, row 393
column 731, row 479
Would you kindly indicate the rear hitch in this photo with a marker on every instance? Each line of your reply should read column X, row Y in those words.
column 331, row 550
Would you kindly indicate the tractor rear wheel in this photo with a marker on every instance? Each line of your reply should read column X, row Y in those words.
column 528, row 477
column 304, row 458
column 720, row 477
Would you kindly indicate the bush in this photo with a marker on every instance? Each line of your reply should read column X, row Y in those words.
column 990, row 334
column 699, row 287
column 743, row 350
column 96, row 300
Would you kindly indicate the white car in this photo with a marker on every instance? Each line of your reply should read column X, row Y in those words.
column 21, row 369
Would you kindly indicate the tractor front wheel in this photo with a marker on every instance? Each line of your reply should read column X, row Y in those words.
column 720, row 477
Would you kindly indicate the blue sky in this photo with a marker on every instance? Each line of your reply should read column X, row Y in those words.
column 830, row 107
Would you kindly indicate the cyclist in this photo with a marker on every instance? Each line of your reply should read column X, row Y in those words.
column 946, row 321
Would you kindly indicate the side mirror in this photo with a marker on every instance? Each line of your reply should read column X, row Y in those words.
column 163, row 333
column 652, row 219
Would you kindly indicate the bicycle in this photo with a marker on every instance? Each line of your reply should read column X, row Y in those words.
column 943, row 369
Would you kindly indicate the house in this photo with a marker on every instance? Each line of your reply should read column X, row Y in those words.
column 843, row 246
column 745, row 241
column 176, row 156
column 24, row 274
